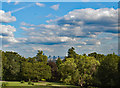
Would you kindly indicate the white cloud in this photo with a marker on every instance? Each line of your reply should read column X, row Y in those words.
column 43, row 49
column 40, row 4
column 16, row 10
column 87, row 22
column 77, row 24
column 6, row 17
column 26, row 24
column 107, row 38
column 93, row 42
column 8, row 1
column 79, row 46
column 118, row 34
column 79, row 28
column 49, row 40
column 27, row 29
column 6, row 32
column 49, row 15
column 85, row 0
column 16, row 2
column 55, row 7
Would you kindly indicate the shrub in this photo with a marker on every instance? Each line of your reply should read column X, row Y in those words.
column 22, row 81
column 32, row 83
column 29, row 83
column 4, row 84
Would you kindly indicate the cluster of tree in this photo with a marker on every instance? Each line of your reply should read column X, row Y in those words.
column 19, row 68
column 83, row 70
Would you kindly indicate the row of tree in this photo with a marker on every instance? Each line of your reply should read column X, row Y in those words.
column 92, row 70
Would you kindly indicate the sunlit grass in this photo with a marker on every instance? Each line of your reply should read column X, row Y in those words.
column 52, row 84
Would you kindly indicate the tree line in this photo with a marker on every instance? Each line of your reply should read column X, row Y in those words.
column 82, row 70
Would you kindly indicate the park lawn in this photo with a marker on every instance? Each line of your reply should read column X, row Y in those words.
column 54, row 84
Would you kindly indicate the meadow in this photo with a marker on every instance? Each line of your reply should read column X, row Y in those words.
column 16, row 84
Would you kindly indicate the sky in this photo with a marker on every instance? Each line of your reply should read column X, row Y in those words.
column 54, row 27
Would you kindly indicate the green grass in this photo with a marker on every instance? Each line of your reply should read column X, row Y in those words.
column 16, row 84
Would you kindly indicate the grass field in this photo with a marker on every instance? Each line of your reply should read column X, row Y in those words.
column 11, row 84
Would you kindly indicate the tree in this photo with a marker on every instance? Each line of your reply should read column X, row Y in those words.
column 1, row 65
column 54, row 71
column 11, row 65
column 97, row 56
column 27, row 70
column 36, row 71
column 71, row 53
column 67, row 69
column 40, row 57
column 58, row 62
column 108, row 70
column 87, row 67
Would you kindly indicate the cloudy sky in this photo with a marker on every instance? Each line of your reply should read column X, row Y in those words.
column 54, row 27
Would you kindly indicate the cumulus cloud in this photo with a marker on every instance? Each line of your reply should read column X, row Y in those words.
column 55, row 7
column 92, row 20
column 6, row 33
column 6, row 17
column 7, row 30
column 40, row 4
column 79, row 28
column 48, row 40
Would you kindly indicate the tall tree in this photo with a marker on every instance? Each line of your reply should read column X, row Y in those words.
column 71, row 53
column 40, row 57
column 67, row 69
column 11, row 65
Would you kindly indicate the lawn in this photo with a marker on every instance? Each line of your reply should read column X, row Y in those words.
column 15, row 84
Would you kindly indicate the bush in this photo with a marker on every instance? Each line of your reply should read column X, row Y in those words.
column 4, row 84
column 22, row 82
column 30, row 83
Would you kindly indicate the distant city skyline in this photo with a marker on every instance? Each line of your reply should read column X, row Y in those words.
column 54, row 27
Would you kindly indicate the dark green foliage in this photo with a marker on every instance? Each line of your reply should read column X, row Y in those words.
column 58, row 62
column 71, row 53
column 29, row 83
column 108, row 70
column 54, row 71
column 18, row 68
column 40, row 57
column 11, row 65
column 22, row 81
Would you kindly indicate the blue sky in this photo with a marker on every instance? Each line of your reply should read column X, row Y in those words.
column 62, row 0
column 54, row 27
